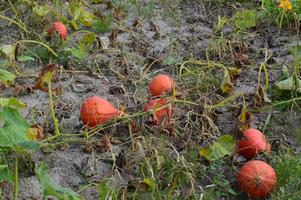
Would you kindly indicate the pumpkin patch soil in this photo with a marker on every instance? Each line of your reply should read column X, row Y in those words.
column 187, row 31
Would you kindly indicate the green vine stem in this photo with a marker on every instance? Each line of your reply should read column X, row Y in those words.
column 16, row 191
column 55, row 120
column 37, row 42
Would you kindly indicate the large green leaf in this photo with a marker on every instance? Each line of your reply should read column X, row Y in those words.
column 5, row 174
column 14, row 130
column 52, row 189
column 6, row 77
column 223, row 146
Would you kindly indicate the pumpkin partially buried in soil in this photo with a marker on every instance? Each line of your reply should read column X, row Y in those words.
column 254, row 142
column 257, row 178
column 159, row 115
column 160, row 84
column 96, row 110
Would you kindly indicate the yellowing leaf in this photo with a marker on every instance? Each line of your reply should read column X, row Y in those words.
column 35, row 133
column 226, row 85
column 6, row 78
column 244, row 119
column 234, row 71
column 150, row 183
column 12, row 102
column 204, row 152
column 87, row 18
column 9, row 51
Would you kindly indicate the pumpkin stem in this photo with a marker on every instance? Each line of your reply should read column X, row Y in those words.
column 258, row 181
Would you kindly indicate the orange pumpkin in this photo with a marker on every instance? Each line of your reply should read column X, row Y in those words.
column 95, row 111
column 253, row 142
column 160, row 84
column 159, row 114
column 60, row 28
column 257, row 178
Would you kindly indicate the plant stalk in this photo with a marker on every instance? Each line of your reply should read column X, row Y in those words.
column 55, row 120
column 16, row 191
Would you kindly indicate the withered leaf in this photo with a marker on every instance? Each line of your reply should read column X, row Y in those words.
column 46, row 75
column 120, row 160
column 226, row 85
column 114, row 37
column 241, row 59
column 234, row 71
column 244, row 119
column 260, row 97
column 104, row 144
column 155, row 29
column 36, row 133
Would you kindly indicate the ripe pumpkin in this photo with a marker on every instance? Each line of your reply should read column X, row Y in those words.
column 95, row 111
column 253, row 142
column 160, row 84
column 159, row 114
column 257, row 178
column 60, row 28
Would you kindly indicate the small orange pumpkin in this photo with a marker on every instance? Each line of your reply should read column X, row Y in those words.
column 60, row 28
column 95, row 111
column 253, row 142
column 160, row 84
column 159, row 114
column 257, row 178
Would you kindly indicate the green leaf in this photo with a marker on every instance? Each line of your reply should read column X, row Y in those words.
column 52, row 189
column 223, row 146
column 14, row 130
column 107, row 191
column 245, row 19
column 12, row 102
column 104, row 25
column 6, row 77
column 287, row 84
column 75, row 9
column 285, row 72
column 23, row 58
column 296, row 52
column 5, row 174
column 170, row 59
column 41, row 10
column 81, row 51
column 31, row 145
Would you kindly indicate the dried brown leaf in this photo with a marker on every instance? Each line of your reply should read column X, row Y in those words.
column 260, row 97
column 46, row 75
